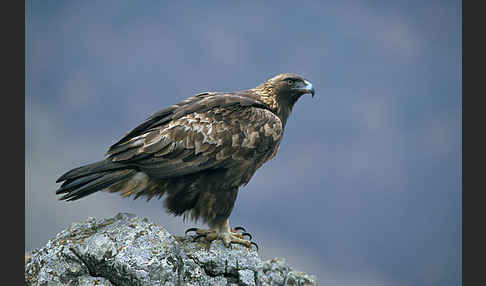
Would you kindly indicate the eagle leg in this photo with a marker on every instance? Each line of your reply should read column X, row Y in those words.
column 225, row 233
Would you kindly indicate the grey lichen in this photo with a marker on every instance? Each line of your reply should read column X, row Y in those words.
column 130, row 250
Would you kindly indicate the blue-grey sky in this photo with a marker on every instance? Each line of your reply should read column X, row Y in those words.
column 365, row 189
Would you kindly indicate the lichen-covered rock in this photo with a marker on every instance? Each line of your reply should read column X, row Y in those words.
column 129, row 250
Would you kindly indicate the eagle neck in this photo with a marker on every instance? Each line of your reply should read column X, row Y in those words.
column 267, row 95
column 284, row 113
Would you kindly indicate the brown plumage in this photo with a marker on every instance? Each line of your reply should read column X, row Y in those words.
column 196, row 153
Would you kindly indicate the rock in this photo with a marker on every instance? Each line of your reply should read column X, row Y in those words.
column 129, row 250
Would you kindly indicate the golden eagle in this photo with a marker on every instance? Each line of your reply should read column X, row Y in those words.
column 197, row 153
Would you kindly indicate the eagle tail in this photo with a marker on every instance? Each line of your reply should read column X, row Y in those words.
column 91, row 178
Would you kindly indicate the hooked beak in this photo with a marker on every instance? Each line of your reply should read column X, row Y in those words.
column 303, row 88
column 308, row 88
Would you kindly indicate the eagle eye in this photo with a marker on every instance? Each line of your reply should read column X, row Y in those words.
column 290, row 81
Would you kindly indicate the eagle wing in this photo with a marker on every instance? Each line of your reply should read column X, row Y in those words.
column 206, row 131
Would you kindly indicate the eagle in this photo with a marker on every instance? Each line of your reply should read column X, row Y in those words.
column 196, row 153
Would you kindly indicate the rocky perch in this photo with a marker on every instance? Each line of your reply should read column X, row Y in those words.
column 129, row 250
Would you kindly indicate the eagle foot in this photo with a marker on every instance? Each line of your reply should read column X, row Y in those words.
column 227, row 237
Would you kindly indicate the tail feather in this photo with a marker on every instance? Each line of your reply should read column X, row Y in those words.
column 115, row 178
column 85, row 180
column 86, row 186
column 71, row 184
column 98, row 167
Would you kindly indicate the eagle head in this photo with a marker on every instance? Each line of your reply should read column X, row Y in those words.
column 290, row 85
column 282, row 91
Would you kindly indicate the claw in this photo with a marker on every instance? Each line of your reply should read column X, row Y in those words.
column 240, row 228
column 246, row 233
column 256, row 245
column 199, row 236
column 191, row 229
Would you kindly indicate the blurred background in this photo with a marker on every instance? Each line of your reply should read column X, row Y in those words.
column 365, row 189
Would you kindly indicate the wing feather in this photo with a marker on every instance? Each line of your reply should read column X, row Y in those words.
column 208, row 131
